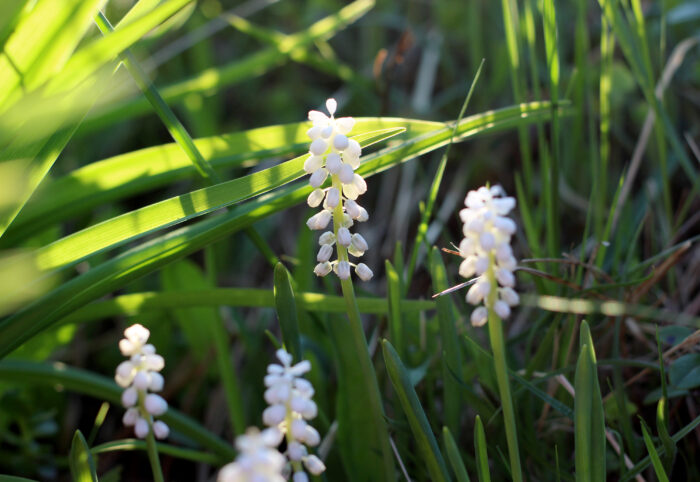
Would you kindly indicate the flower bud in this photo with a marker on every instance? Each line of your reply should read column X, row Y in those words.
column 155, row 404
column 344, row 237
column 160, row 430
column 333, row 163
column 314, row 465
column 315, row 198
column 141, row 428
column 346, row 174
column 342, row 269
column 322, row 269
column 325, row 253
column 333, row 197
column 363, row 272
column 318, row 147
column 479, row 316
column 319, row 220
column 318, row 177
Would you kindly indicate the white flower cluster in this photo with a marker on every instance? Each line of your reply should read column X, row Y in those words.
column 258, row 458
column 138, row 376
column 333, row 153
column 289, row 396
column 487, row 253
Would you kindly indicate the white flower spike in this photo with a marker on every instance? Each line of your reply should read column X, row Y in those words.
column 487, row 253
column 289, row 396
column 258, row 458
column 332, row 154
column 138, row 376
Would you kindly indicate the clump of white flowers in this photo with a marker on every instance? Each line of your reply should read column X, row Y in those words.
column 333, row 154
column 258, row 459
column 289, row 396
column 487, row 253
column 138, row 376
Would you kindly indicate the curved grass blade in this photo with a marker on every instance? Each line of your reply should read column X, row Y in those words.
column 135, row 304
column 160, row 251
column 453, row 456
column 215, row 79
column 82, row 467
column 125, row 445
column 286, row 308
column 128, row 226
column 425, row 440
column 125, row 175
column 653, row 453
column 82, row 381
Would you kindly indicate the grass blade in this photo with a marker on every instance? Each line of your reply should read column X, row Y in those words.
column 454, row 457
column 82, row 467
column 653, row 454
column 427, row 445
column 482, row 458
column 81, row 381
column 287, row 311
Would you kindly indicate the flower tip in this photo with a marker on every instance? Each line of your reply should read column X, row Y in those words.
column 331, row 105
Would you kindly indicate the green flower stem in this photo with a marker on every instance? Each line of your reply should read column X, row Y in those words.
column 151, row 447
column 499, row 359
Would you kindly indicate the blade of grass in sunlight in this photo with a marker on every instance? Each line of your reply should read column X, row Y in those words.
column 102, row 388
column 420, row 427
column 135, row 172
column 82, row 466
column 151, row 255
column 175, row 210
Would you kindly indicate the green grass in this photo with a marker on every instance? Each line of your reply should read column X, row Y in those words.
column 137, row 185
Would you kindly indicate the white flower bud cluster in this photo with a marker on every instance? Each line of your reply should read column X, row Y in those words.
column 290, row 406
column 487, row 253
column 138, row 376
column 333, row 154
column 258, row 459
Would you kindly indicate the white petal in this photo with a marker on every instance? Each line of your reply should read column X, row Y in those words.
column 315, row 198
column 344, row 124
column 333, row 197
column 331, row 105
column 325, row 253
column 318, row 117
column 509, row 296
column 129, row 397
column 359, row 242
column 359, row 183
column 314, row 465
column 318, row 147
column 141, row 428
column 505, row 277
column 130, row 416
column 342, row 269
column 479, row 316
column 352, row 208
column 142, row 380
column 327, row 238
column 157, row 382
column 340, row 142
column 160, row 429
column 318, row 177
column 502, row 309
column 155, row 404
column 345, row 174
column 322, row 269
column 312, row 164
column 314, row 133
column 333, row 163
column 344, row 237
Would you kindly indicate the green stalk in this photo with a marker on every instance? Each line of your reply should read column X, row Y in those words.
column 499, row 360
column 151, row 447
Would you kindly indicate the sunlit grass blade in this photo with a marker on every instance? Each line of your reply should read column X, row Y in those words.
column 286, row 308
column 131, row 225
column 454, row 457
column 81, row 381
column 41, row 43
column 135, row 172
column 451, row 360
column 10, row 13
column 158, row 252
column 481, row 455
column 82, row 466
column 396, row 321
column 420, row 427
